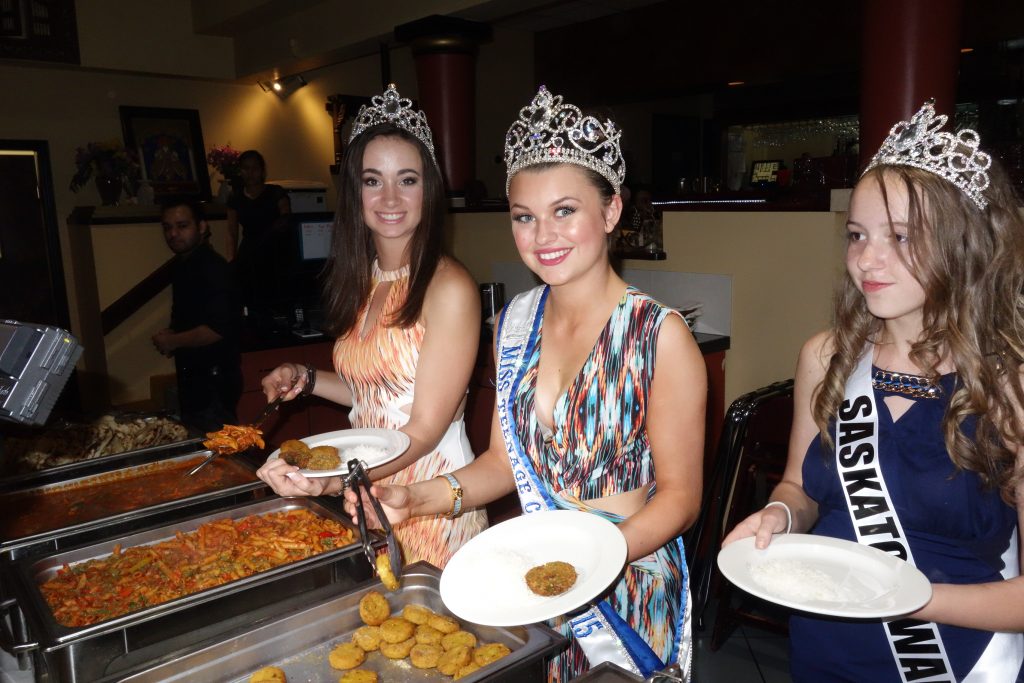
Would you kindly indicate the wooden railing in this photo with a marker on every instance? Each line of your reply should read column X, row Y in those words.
column 136, row 297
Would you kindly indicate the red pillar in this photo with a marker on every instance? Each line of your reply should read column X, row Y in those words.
column 911, row 51
column 444, row 49
column 446, row 76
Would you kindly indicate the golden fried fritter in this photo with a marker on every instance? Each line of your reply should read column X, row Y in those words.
column 551, row 578
column 359, row 676
column 367, row 637
column 374, row 608
column 451, row 640
column 466, row 670
column 442, row 623
column 427, row 634
column 396, row 629
column 425, row 656
column 485, row 654
column 454, row 659
column 323, row 458
column 417, row 614
column 268, row 674
column 397, row 650
column 346, row 656
column 295, row 452
column 387, row 577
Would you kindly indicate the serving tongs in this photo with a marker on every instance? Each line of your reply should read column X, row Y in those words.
column 358, row 478
column 270, row 408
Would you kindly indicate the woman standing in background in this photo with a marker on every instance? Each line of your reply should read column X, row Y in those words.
column 261, row 211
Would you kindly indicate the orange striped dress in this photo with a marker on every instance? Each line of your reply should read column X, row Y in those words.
column 379, row 364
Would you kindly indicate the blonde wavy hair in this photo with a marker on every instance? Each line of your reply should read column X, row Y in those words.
column 970, row 264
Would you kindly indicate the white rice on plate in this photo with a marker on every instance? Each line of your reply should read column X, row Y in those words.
column 363, row 452
column 797, row 581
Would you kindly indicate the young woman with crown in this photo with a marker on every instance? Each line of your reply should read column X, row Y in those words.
column 908, row 427
column 601, row 395
column 407, row 318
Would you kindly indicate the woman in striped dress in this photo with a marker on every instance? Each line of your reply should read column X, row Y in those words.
column 407, row 318
column 602, row 406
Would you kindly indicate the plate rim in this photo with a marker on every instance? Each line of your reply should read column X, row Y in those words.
column 621, row 547
column 735, row 552
column 318, row 439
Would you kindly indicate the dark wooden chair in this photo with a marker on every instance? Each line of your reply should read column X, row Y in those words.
column 750, row 461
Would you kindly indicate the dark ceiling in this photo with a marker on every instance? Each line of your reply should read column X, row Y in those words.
column 797, row 58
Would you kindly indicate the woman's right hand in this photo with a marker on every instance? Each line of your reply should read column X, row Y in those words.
column 287, row 378
column 396, row 501
column 285, row 480
column 763, row 524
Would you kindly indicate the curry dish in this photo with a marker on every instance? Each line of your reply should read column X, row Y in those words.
column 26, row 513
column 216, row 553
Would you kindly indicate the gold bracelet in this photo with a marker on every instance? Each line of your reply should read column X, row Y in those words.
column 456, row 508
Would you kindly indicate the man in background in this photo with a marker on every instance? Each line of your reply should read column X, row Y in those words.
column 206, row 317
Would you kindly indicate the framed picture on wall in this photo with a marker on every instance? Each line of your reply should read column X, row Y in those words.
column 169, row 144
column 763, row 173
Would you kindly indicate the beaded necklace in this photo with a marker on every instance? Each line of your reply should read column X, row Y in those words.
column 915, row 386
column 389, row 275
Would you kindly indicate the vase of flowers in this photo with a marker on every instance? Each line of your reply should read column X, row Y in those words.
column 224, row 160
column 114, row 168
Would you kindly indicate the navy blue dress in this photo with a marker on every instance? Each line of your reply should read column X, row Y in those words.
column 959, row 532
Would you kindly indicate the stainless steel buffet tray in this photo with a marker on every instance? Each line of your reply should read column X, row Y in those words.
column 15, row 547
column 299, row 639
column 10, row 479
column 105, row 463
column 76, row 655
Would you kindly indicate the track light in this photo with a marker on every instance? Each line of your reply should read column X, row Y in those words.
column 283, row 87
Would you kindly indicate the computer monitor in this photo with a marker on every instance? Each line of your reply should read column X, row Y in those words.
column 313, row 231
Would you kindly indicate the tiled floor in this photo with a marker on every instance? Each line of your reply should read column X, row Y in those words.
column 750, row 655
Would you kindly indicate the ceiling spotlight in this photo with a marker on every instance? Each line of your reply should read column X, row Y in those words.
column 283, row 87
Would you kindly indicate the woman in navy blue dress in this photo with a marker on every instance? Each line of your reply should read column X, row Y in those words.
column 908, row 426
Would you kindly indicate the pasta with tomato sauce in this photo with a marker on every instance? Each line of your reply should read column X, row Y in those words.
column 216, row 553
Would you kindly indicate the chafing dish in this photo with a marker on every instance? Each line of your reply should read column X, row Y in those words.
column 299, row 639
column 10, row 479
column 74, row 655
column 62, row 535
column 16, row 543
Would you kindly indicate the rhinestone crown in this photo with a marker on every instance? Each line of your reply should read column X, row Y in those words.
column 390, row 107
column 955, row 157
column 550, row 131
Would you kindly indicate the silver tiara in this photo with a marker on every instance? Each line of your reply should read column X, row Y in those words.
column 956, row 158
column 549, row 131
column 391, row 107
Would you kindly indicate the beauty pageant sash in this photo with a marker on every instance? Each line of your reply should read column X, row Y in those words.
column 916, row 646
column 601, row 632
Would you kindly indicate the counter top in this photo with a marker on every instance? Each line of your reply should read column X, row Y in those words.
column 712, row 343
column 253, row 340
column 127, row 214
column 268, row 340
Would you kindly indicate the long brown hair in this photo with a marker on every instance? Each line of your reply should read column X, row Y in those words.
column 970, row 264
column 347, row 273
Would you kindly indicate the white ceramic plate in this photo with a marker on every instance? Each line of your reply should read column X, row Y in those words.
column 834, row 577
column 393, row 442
column 485, row 583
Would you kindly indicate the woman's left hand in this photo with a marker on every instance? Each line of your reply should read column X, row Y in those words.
column 285, row 480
